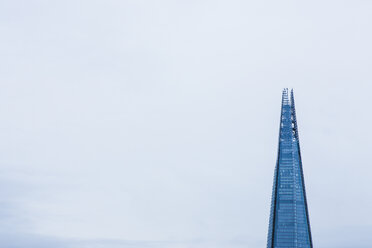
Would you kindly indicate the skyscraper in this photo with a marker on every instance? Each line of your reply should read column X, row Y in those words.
column 289, row 225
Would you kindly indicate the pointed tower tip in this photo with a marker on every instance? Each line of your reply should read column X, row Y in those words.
column 285, row 97
column 288, row 96
column 292, row 97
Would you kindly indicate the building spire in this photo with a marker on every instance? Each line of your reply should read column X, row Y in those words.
column 289, row 225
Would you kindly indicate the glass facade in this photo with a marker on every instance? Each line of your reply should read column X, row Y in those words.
column 289, row 225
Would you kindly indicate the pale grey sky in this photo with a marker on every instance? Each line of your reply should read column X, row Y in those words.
column 154, row 124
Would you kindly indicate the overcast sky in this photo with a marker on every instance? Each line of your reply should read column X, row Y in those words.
column 154, row 124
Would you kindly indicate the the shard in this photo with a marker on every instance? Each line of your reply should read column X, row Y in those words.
column 289, row 225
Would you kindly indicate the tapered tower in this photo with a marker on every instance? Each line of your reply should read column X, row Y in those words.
column 289, row 225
